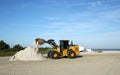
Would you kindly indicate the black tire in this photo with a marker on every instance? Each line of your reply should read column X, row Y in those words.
column 49, row 53
column 54, row 55
column 71, row 54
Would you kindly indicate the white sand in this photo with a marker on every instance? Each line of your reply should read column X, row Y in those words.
column 98, row 64
column 96, row 53
column 28, row 54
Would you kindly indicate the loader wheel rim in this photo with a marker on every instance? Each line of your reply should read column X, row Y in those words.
column 55, row 55
column 72, row 54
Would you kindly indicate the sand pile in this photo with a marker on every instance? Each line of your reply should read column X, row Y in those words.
column 28, row 54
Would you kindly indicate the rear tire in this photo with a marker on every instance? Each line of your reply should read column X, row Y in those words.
column 71, row 54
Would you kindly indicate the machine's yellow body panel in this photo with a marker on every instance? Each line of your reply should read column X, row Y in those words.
column 75, row 48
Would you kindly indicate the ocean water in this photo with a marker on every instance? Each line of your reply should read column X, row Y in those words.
column 107, row 49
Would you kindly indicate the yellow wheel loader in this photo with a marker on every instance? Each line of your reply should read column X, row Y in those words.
column 63, row 50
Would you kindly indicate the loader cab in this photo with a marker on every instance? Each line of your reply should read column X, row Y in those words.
column 64, row 44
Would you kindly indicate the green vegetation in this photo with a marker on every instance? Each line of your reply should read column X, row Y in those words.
column 5, row 49
column 17, row 48
column 44, row 50
column 7, row 53
column 4, row 46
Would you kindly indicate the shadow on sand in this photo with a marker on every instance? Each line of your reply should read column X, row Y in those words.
column 66, row 57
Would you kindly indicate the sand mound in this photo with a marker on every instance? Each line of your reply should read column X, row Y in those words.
column 28, row 54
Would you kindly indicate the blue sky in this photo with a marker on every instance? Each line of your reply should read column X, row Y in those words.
column 89, row 23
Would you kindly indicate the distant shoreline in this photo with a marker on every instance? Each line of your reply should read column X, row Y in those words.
column 107, row 49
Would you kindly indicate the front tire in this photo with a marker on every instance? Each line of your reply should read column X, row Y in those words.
column 49, row 53
column 54, row 55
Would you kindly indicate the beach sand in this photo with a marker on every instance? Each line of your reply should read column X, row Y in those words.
column 88, row 63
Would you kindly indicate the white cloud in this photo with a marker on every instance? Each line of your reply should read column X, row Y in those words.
column 95, row 4
column 72, row 28
column 112, row 15
column 52, row 18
